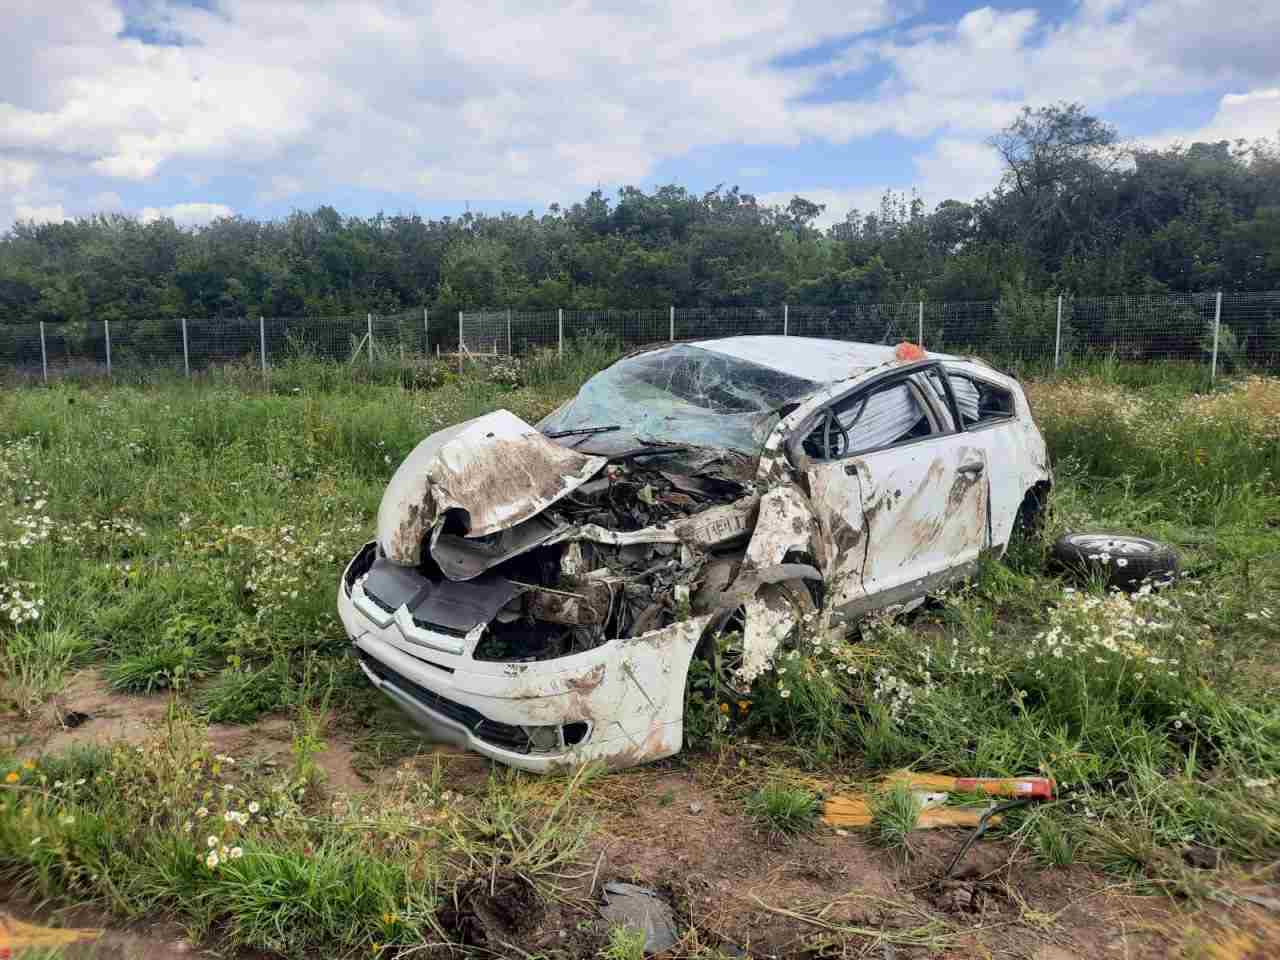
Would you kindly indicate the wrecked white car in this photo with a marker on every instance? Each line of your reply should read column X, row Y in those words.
column 537, row 593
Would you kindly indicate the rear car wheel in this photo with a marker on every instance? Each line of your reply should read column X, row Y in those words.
column 1124, row 561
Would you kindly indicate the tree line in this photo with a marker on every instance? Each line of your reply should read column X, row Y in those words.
column 1076, row 211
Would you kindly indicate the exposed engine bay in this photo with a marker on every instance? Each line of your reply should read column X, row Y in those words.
column 581, row 580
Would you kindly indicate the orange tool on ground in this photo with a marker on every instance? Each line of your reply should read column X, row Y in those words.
column 854, row 809
column 1035, row 788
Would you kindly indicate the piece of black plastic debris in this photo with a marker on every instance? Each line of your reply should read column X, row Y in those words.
column 641, row 908
column 1202, row 857
column 981, row 829
column 74, row 718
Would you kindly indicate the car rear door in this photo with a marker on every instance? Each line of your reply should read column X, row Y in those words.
column 902, row 495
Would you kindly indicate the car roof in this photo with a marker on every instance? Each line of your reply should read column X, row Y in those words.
column 813, row 358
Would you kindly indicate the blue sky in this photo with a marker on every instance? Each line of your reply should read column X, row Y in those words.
column 204, row 108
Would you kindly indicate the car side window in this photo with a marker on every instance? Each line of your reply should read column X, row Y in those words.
column 883, row 416
column 978, row 400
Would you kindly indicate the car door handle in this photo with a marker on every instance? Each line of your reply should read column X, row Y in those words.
column 972, row 469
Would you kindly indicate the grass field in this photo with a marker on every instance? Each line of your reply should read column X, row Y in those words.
column 169, row 552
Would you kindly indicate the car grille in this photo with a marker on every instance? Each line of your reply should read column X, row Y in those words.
column 491, row 731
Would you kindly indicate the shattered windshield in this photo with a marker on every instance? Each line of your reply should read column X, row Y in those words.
column 683, row 394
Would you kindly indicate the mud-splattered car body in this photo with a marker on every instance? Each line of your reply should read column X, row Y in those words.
column 537, row 593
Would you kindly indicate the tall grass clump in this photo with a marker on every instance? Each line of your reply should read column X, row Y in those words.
column 216, row 841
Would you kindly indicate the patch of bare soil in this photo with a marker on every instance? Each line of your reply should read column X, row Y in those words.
column 87, row 711
column 738, row 888
column 28, row 924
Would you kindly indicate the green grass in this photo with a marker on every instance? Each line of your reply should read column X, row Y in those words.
column 624, row 943
column 187, row 537
column 895, row 812
column 783, row 809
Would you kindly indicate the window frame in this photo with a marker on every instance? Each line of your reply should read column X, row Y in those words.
column 979, row 382
column 912, row 377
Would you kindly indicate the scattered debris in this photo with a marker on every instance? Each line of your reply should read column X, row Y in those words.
column 643, row 909
column 1202, row 857
column 75, row 718
column 961, row 896
column 696, row 807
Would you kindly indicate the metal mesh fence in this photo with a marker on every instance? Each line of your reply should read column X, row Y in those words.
column 1224, row 332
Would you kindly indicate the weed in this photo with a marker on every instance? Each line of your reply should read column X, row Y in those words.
column 783, row 809
column 240, row 695
column 895, row 811
column 34, row 664
column 1054, row 842
column 624, row 943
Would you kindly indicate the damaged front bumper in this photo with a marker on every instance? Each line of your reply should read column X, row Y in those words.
column 621, row 702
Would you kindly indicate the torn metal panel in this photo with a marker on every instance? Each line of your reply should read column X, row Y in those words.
column 772, row 615
column 461, row 558
column 785, row 523
column 496, row 470
column 837, row 503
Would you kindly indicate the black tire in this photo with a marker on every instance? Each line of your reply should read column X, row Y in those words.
column 1124, row 561
column 726, row 659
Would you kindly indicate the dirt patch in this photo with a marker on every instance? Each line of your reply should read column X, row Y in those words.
column 152, row 941
column 87, row 711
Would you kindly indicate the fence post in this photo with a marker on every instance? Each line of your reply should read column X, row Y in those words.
column 1217, row 325
column 44, row 357
column 459, row 341
column 426, row 333
column 1057, row 339
column 369, row 321
column 508, row 331
column 560, row 331
column 186, row 358
column 784, row 319
column 673, row 324
column 107, row 326
column 920, row 327
column 262, row 341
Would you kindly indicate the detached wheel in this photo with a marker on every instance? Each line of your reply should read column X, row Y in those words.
column 1125, row 562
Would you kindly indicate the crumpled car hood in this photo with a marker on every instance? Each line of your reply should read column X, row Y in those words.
column 497, row 469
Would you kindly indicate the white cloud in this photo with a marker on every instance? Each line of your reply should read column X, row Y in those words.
column 1240, row 116
column 466, row 98
column 53, row 213
column 952, row 169
column 15, row 174
column 106, row 201
column 536, row 100
column 957, row 169
column 836, row 201
column 186, row 214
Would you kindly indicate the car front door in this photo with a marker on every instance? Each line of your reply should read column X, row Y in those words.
column 900, row 493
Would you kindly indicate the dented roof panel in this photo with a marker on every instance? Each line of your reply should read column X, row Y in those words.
column 824, row 361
